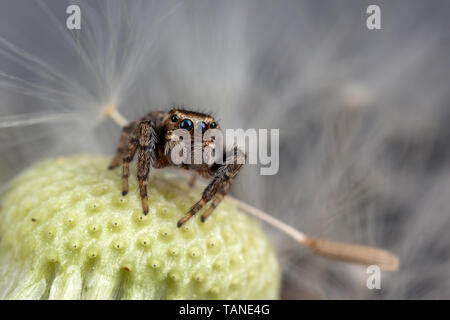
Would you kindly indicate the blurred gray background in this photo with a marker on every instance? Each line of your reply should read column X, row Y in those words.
column 364, row 115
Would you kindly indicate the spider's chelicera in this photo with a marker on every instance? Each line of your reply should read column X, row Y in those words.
column 155, row 139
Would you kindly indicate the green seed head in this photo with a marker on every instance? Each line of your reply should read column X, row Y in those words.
column 68, row 233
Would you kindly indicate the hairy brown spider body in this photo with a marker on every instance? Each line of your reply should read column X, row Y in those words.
column 153, row 137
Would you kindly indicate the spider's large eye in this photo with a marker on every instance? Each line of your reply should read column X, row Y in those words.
column 186, row 124
column 213, row 125
column 201, row 126
column 174, row 118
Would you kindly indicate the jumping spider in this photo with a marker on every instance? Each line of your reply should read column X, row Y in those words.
column 153, row 137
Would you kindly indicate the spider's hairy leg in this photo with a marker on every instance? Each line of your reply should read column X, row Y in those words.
column 147, row 145
column 122, row 145
column 226, row 186
column 213, row 206
column 219, row 186
column 128, row 157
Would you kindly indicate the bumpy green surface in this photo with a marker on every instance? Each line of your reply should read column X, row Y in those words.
column 66, row 232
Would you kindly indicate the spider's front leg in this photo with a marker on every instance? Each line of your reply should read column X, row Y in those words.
column 146, row 156
column 142, row 137
column 218, row 187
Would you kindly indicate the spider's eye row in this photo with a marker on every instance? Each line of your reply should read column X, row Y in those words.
column 201, row 126
column 174, row 118
column 186, row 124
column 213, row 125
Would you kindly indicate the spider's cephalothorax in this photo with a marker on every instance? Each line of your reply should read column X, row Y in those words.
column 154, row 138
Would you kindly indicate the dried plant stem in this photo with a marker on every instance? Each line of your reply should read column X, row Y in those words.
column 327, row 248
column 293, row 233
column 318, row 246
column 111, row 111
